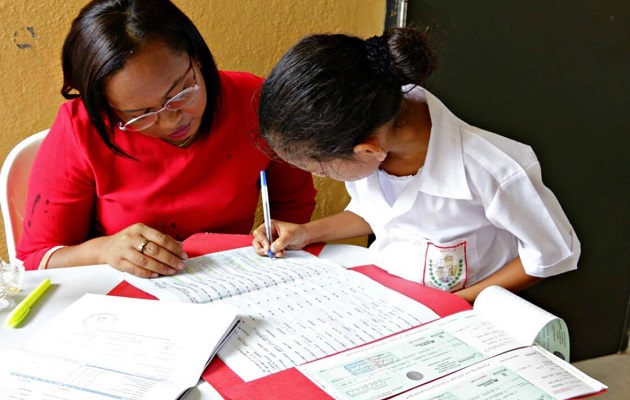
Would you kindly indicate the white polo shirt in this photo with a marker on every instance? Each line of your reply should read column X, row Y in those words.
column 476, row 204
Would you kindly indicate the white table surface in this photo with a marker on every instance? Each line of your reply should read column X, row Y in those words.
column 69, row 284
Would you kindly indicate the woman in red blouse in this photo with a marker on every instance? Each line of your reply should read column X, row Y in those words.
column 155, row 144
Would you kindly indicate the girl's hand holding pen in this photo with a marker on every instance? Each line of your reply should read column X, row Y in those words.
column 288, row 236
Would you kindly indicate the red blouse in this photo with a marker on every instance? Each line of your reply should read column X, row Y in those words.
column 79, row 189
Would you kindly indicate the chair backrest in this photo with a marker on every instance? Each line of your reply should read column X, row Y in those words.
column 13, row 184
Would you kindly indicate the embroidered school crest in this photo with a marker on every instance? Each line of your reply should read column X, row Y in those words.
column 445, row 267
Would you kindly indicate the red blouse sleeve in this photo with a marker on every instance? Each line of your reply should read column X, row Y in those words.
column 60, row 195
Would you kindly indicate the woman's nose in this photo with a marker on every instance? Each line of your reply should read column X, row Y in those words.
column 170, row 118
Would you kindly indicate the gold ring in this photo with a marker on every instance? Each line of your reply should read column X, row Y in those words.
column 141, row 247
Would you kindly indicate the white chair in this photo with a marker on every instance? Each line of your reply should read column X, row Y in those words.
column 13, row 184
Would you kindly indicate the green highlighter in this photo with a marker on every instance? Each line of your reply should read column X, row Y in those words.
column 21, row 310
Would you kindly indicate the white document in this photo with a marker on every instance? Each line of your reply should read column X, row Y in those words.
column 293, row 309
column 115, row 347
column 500, row 322
column 231, row 273
column 528, row 322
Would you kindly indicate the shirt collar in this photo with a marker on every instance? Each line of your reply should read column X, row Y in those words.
column 443, row 173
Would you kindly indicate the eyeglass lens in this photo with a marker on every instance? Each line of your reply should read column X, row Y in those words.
column 180, row 100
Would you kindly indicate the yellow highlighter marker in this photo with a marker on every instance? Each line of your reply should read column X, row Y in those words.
column 21, row 310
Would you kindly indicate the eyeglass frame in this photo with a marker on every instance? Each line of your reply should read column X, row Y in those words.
column 192, row 89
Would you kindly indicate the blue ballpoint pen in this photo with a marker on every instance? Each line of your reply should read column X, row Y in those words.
column 266, row 211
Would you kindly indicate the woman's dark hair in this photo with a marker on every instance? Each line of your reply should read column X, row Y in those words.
column 106, row 33
column 331, row 91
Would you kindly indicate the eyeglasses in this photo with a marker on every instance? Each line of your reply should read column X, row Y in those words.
column 177, row 102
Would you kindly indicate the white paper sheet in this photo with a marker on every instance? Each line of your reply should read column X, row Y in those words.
column 528, row 322
column 231, row 273
column 292, row 324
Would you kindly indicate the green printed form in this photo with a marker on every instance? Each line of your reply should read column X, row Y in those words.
column 410, row 360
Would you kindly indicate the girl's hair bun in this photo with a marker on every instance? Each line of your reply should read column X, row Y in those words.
column 379, row 59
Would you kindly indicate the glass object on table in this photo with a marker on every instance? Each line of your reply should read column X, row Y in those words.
column 11, row 275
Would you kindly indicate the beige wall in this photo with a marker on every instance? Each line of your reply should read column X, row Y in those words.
column 247, row 35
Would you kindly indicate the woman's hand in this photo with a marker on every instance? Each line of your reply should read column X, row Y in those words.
column 143, row 251
column 288, row 237
column 137, row 249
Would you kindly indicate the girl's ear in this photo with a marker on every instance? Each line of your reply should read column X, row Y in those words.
column 370, row 147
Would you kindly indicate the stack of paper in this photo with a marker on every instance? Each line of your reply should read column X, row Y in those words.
column 115, row 347
column 294, row 309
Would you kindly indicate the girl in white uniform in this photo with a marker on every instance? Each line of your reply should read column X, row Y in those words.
column 452, row 206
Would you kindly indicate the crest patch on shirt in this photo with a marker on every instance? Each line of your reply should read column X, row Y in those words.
column 445, row 267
